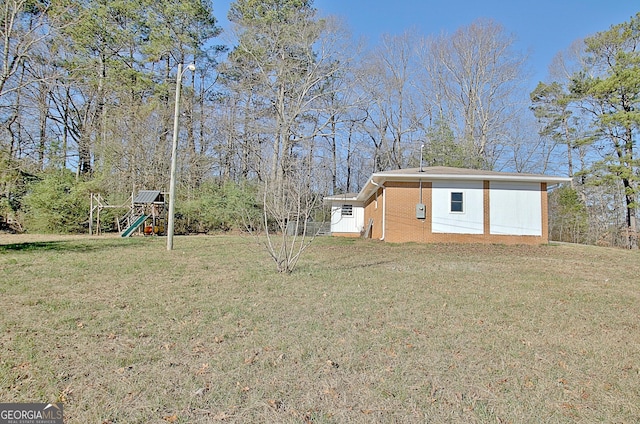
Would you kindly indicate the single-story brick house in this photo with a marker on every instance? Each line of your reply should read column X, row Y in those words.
column 443, row 204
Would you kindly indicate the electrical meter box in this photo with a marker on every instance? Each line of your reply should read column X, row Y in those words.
column 421, row 212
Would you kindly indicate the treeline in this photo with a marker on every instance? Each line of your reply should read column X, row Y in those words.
column 294, row 107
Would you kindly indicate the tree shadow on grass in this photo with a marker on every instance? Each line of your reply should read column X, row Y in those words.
column 66, row 245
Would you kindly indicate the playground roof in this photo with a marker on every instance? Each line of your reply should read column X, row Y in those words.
column 149, row 196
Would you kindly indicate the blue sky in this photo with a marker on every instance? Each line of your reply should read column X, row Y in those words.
column 541, row 27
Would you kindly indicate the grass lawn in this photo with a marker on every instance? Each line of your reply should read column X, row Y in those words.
column 122, row 331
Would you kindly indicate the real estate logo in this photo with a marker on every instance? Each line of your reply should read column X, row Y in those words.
column 31, row 413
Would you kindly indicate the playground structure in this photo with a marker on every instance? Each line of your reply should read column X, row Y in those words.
column 147, row 210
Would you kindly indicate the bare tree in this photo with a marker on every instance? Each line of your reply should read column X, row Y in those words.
column 472, row 80
column 287, row 211
column 393, row 117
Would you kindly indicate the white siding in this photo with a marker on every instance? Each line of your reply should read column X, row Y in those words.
column 470, row 221
column 516, row 208
column 347, row 224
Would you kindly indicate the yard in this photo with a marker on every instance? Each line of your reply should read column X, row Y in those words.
column 122, row 331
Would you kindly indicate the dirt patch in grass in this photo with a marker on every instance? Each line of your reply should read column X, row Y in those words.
column 122, row 331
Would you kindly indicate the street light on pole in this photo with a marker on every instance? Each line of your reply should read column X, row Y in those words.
column 174, row 148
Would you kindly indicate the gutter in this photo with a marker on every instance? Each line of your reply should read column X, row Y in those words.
column 384, row 205
column 552, row 186
column 478, row 177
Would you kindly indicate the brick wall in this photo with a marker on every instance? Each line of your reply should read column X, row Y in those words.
column 373, row 210
column 401, row 222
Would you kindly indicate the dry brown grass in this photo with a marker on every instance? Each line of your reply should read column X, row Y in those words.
column 122, row 331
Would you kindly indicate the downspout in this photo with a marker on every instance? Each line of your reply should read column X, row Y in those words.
column 384, row 205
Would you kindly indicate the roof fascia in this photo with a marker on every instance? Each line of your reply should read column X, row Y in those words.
column 378, row 179
column 476, row 177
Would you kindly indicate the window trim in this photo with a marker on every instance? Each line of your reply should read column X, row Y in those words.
column 456, row 202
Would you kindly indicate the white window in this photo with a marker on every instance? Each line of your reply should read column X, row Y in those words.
column 457, row 201
column 347, row 210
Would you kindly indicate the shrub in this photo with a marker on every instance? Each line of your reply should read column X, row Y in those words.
column 568, row 215
column 218, row 207
column 57, row 203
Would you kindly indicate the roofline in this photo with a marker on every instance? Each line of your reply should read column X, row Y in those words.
column 379, row 178
column 473, row 177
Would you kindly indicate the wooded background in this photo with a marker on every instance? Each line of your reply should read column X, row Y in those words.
column 87, row 96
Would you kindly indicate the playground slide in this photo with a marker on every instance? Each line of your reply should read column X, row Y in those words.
column 131, row 228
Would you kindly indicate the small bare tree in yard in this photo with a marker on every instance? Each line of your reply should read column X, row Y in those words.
column 288, row 207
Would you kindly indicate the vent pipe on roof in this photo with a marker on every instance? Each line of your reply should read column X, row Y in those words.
column 421, row 148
